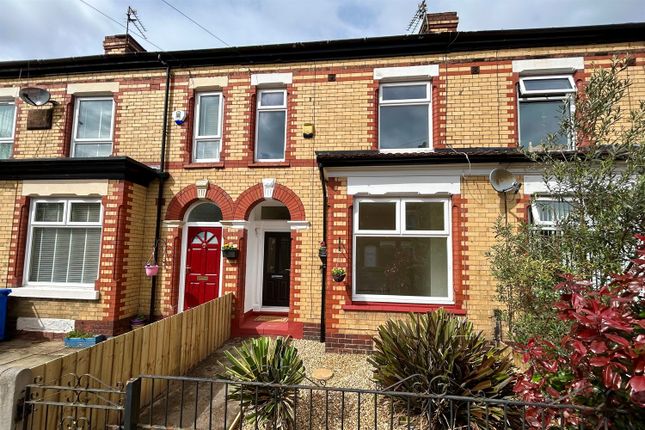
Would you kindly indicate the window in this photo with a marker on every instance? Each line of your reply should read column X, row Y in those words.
column 7, row 128
column 402, row 250
column 271, row 129
column 542, row 103
column 208, row 127
column 93, row 125
column 64, row 242
column 205, row 212
column 548, row 212
column 404, row 116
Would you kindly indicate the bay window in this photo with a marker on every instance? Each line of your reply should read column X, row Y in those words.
column 402, row 250
column 404, row 116
column 64, row 242
column 93, row 127
column 548, row 212
column 543, row 102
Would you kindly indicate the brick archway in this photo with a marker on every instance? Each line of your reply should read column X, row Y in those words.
column 254, row 195
column 186, row 197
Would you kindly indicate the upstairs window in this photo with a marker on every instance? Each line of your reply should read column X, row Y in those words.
column 93, row 127
column 7, row 128
column 64, row 242
column 271, row 128
column 207, row 140
column 402, row 250
column 404, row 116
column 543, row 102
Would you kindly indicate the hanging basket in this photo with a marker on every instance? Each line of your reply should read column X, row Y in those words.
column 339, row 277
column 231, row 253
column 151, row 270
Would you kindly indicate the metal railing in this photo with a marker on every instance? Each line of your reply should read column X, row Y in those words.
column 204, row 403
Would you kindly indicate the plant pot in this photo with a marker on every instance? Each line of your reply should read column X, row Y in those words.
column 83, row 342
column 231, row 254
column 339, row 278
column 151, row 270
column 135, row 324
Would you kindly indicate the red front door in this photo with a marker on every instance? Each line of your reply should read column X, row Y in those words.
column 202, row 265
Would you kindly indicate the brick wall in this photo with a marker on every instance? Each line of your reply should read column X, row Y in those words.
column 473, row 105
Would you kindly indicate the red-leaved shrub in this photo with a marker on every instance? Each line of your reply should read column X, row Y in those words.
column 601, row 362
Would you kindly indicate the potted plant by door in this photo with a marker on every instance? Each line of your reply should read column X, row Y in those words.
column 338, row 274
column 81, row 339
column 138, row 321
column 230, row 251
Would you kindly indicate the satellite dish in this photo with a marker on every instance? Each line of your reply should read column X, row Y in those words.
column 35, row 96
column 503, row 181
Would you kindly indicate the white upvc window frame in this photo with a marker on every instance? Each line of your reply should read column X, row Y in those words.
column 67, row 223
column 271, row 108
column 75, row 140
column 218, row 136
column 401, row 231
column 529, row 96
column 406, row 102
column 536, row 220
column 10, row 140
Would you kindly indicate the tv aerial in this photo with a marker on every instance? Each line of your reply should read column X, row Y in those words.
column 417, row 19
column 133, row 18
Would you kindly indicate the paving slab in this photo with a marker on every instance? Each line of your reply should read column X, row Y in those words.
column 30, row 353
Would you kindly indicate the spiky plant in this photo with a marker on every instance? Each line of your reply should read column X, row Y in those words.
column 437, row 353
column 271, row 361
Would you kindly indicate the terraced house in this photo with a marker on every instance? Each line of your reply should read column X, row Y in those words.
column 237, row 169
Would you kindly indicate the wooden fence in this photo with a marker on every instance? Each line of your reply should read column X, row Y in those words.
column 170, row 346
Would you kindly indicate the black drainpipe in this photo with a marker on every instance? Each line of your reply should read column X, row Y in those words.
column 162, row 180
column 324, row 261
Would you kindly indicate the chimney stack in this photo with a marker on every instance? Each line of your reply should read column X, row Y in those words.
column 442, row 22
column 121, row 44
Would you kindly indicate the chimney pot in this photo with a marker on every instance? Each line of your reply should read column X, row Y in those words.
column 121, row 44
column 441, row 22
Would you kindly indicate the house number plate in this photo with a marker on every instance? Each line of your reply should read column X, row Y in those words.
column 202, row 278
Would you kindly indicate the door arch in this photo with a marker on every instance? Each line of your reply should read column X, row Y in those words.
column 200, row 277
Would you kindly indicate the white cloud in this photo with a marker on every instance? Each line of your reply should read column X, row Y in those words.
column 32, row 29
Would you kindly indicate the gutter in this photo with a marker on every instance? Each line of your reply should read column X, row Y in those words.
column 162, row 180
column 323, row 266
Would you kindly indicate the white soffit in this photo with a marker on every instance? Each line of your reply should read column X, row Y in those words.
column 271, row 79
column 51, row 325
column 81, row 188
column 208, row 83
column 549, row 65
column 423, row 185
column 9, row 92
column 411, row 72
column 93, row 88
column 534, row 184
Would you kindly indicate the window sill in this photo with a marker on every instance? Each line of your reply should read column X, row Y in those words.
column 210, row 165
column 260, row 164
column 72, row 293
column 401, row 307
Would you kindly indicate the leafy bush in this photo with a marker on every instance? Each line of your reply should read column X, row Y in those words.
column 271, row 361
column 601, row 361
column 446, row 356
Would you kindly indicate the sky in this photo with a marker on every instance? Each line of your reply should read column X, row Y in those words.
column 35, row 29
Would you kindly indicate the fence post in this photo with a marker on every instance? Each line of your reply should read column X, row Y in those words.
column 132, row 404
column 13, row 381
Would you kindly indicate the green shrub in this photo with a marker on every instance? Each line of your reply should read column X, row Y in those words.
column 446, row 357
column 272, row 361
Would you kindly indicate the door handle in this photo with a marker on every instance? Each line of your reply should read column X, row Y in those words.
column 187, row 267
